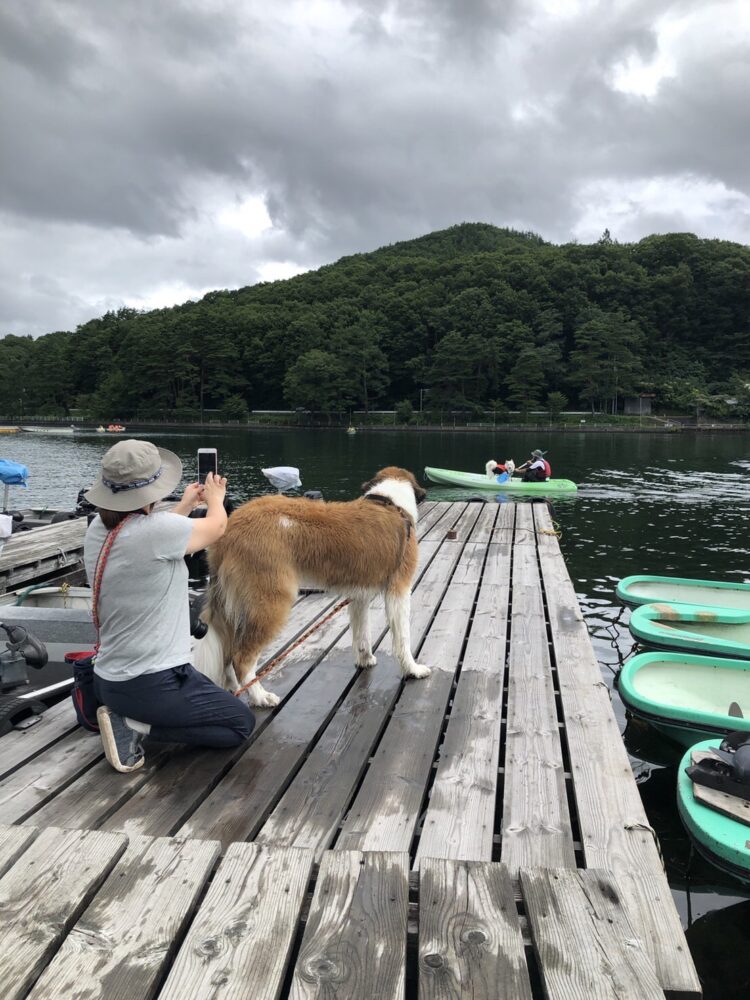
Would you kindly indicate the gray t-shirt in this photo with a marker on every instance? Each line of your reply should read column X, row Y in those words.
column 143, row 605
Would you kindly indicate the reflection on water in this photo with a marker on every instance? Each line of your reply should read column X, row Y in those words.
column 647, row 503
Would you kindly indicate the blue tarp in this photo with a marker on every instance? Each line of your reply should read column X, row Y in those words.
column 13, row 473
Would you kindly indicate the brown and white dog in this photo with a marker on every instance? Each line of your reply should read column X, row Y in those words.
column 275, row 545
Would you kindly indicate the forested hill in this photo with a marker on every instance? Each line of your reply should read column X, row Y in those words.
column 473, row 316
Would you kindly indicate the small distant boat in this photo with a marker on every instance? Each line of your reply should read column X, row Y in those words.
column 9, row 430
column 721, row 839
column 476, row 481
column 687, row 697
column 637, row 590
column 695, row 628
column 65, row 431
column 351, row 430
column 115, row 429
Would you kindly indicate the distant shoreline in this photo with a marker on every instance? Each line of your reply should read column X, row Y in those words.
column 412, row 428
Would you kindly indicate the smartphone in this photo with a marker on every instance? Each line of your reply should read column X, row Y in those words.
column 208, row 461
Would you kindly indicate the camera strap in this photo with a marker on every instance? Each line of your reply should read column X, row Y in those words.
column 101, row 562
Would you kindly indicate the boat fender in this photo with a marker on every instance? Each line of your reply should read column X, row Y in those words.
column 725, row 771
column 18, row 713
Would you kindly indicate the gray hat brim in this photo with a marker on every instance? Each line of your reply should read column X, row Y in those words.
column 171, row 474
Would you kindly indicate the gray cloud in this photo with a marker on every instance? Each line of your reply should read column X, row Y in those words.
column 131, row 130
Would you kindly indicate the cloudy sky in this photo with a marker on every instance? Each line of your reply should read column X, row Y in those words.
column 152, row 151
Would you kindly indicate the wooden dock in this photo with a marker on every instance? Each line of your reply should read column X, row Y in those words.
column 476, row 834
column 43, row 553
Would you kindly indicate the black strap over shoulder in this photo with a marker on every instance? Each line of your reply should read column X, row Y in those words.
column 387, row 502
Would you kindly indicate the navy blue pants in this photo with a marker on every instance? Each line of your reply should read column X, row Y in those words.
column 182, row 706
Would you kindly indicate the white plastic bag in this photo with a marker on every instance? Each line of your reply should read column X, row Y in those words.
column 283, row 477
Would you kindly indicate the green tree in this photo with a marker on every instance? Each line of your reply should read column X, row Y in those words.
column 316, row 381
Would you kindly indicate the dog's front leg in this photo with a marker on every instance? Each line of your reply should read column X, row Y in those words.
column 257, row 694
column 398, row 612
column 360, row 621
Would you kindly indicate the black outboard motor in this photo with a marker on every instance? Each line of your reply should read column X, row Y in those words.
column 22, row 650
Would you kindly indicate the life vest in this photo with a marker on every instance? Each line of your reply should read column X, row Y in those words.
column 547, row 469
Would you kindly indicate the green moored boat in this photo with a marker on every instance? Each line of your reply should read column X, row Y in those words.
column 477, row 481
column 695, row 628
column 723, row 841
column 687, row 697
column 637, row 590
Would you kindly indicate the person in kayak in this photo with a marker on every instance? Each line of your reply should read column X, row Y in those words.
column 536, row 469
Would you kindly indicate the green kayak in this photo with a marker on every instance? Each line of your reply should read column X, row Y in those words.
column 477, row 481
column 693, row 628
column 636, row 590
column 723, row 841
column 687, row 697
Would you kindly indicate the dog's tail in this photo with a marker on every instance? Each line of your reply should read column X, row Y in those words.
column 212, row 654
column 490, row 469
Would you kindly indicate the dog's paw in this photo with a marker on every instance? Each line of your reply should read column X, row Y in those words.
column 418, row 670
column 365, row 660
column 260, row 698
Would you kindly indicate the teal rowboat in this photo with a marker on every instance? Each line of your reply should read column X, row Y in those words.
column 723, row 841
column 693, row 629
column 637, row 590
column 477, row 481
column 687, row 697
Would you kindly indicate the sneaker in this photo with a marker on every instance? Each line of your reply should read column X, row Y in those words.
column 123, row 746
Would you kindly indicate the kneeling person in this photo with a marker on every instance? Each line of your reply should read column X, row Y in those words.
column 143, row 677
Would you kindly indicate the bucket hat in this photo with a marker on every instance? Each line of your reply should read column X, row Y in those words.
column 537, row 453
column 135, row 474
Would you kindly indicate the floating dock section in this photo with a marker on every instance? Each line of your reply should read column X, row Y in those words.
column 475, row 834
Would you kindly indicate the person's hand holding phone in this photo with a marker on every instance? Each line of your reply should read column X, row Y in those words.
column 214, row 489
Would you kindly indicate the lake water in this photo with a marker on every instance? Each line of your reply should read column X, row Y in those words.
column 647, row 503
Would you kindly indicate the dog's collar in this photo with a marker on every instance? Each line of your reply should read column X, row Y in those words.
column 387, row 502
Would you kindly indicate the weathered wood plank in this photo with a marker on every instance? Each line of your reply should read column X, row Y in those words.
column 42, row 896
column 22, row 745
column 28, row 555
column 459, row 822
column 585, row 944
column 485, row 523
column 614, row 829
column 384, row 815
column 84, row 803
column 259, row 779
column 536, row 821
column 27, row 789
column 354, row 944
column 652, row 912
column 121, row 945
column 470, row 941
column 13, row 842
column 239, row 943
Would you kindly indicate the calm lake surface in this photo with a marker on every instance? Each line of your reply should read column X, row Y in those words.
column 647, row 503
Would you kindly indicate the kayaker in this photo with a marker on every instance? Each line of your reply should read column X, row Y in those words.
column 536, row 469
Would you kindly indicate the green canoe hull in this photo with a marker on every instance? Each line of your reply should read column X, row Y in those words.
column 694, row 628
column 476, row 481
column 721, row 840
column 638, row 590
column 687, row 697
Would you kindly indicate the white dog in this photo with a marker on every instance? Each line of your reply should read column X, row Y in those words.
column 489, row 468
